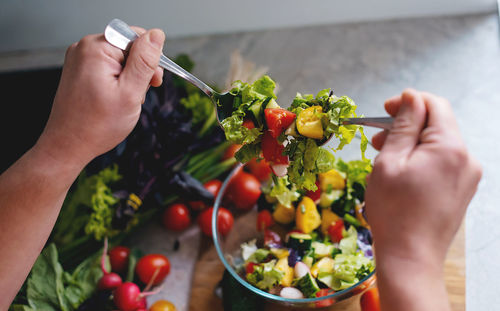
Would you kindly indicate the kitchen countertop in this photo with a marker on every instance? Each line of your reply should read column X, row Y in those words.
column 455, row 57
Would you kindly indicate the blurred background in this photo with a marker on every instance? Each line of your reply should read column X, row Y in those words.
column 369, row 50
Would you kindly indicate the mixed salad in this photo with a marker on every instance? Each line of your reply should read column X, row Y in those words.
column 316, row 239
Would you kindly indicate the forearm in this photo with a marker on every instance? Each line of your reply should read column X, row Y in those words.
column 31, row 195
column 410, row 286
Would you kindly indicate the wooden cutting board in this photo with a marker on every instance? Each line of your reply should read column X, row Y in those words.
column 209, row 270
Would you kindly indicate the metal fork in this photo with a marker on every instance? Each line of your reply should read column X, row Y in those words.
column 119, row 34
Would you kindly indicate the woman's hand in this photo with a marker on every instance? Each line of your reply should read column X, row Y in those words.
column 422, row 181
column 99, row 98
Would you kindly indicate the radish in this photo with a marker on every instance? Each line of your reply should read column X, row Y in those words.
column 128, row 297
column 279, row 170
column 109, row 280
column 300, row 269
column 291, row 293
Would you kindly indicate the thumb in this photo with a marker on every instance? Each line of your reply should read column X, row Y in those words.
column 142, row 62
column 409, row 122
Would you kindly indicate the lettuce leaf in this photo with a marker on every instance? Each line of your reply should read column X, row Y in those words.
column 348, row 270
column 258, row 256
column 348, row 245
column 307, row 160
column 282, row 190
column 265, row 276
column 248, row 152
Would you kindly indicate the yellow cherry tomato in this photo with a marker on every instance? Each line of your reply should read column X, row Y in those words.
column 309, row 122
column 327, row 218
column 307, row 217
column 162, row 305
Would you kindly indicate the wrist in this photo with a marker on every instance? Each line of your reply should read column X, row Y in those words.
column 407, row 283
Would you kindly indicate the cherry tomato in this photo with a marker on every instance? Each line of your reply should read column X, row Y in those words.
column 248, row 124
column 213, row 186
column 272, row 149
column 370, row 300
column 230, row 151
column 278, row 119
column 147, row 265
column 243, row 190
column 162, row 305
column 326, row 302
column 176, row 217
column 314, row 195
column 225, row 221
column 259, row 169
column 264, row 220
column 335, row 230
column 250, row 267
column 118, row 257
column 271, row 238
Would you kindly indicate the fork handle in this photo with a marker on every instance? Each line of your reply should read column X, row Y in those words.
column 171, row 66
column 381, row 122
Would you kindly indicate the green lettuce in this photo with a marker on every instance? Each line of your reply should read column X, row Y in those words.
column 49, row 287
column 348, row 270
column 307, row 160
column 248, row 152
column 282, row 190
column 356, row 172
column 265, row 276
column 245, row 96
column 334, row 109
column 348, row 245
column 258, row 256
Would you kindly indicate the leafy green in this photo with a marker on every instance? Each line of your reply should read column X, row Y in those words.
column 200, row 105
column 282, row 190
column 307, row 160
column 102, row 201
column 356, row 172
column 248, row 152
column 348, row 270
column 88, row 206
column 334, row 109
column 49, row 287
column 245, row 95
column 348, row 245
column 258, row 256
column 265, row 276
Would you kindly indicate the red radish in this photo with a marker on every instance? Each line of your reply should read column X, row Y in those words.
column 271, row 238
column 109, row 280
column 291, row 293
column 279, row 170
column 128, row 297
column 118, row 257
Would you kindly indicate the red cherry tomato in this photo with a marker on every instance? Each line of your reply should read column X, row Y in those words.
column 272, row 149
column 370, row 301
column 271, row 238
column 147, row 265
column 278, row 119
column 225, row 221
column 176, row 217
column 213, row 186
column 326, row 302
column 250, row 267
column 259, row 169
column 335, row 230
column 314, row 195
column 118, row 257
column 248, row 124
column 243, row 190
column 264, row 220
column 230, row 151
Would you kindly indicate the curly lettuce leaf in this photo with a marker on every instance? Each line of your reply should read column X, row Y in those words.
column 248, row 152
column 199, row 105
column 282, row 190
column 349, row 243
column 258, row 256
column 348, row 270
column 237, row 133
column 265, row 276
column 307, row 160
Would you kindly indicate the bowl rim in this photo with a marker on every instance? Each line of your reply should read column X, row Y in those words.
column 215, row 237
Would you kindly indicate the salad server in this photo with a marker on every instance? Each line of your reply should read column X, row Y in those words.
column 120, row 35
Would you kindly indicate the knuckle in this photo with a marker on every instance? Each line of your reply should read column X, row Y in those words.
column 457, row 154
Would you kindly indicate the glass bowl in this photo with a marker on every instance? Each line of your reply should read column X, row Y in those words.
column 244, row 230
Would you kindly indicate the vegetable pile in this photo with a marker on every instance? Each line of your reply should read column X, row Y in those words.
column 290, row 139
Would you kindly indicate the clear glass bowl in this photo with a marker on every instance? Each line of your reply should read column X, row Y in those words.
column 244, row 230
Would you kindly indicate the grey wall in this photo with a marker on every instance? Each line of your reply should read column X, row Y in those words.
column 35, row 24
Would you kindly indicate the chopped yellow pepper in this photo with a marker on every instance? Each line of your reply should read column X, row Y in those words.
column 307, row 217
column 331, row 179
column 325, row 264
column 282, row 265
column 309, row 122
column 284, row 214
